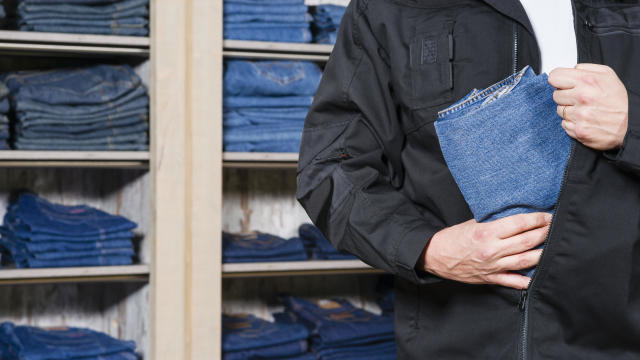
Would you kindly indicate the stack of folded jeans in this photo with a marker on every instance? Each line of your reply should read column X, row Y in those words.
column 326, row 21
column 266, row 103
column 318, row 247
column 341, row 331
column 37, row 234
column 505, row 147
column 260, row 247
column 267, row 20
column 248, row 337
column 101, row 107
column 106, row 17
column 4, row 117
column 26, row 342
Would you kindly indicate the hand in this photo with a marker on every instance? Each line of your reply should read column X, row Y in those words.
column 486, row 253
column 594, row 102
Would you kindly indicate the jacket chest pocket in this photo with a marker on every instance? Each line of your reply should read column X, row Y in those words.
column 431, row 54
column 614, row 37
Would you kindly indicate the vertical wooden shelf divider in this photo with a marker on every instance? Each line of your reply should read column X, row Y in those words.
column 186, row 173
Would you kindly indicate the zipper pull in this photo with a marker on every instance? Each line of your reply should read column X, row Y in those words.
column 523, row 300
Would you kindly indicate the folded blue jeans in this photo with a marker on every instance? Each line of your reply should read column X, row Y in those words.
column 31, row 343
column 259, row 245
column 244, row 331
column 255, row 133
column 94, row 147
column 27, row 14
column 92, row 85
column 264, row 8
column 281, row 18
column 283, row 34
column 258, row 116
column 291, row 146
column 107, row 260
column 268, row 352
column 127, row 22
column 62, row 128
column 108, row 132
column 80, row 7
column 262, row 2
column 270, row 78
column 505, row 147
column 245, row 102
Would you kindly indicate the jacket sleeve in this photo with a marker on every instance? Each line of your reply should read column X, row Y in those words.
column 628, row 155
column 350, row 166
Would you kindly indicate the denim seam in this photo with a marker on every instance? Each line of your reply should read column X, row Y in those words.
column 484, row 94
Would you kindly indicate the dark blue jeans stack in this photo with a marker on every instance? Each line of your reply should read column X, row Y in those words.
column 325, row 24
column 5, row 131
column 260, row 247
column 341, row 331
column 100, row 107
column 267, row 20
column 38, row 234
column 318, row 247
column 248, row 337
column 66, row 343
column 505, row 147
column 266, row 103
column 105, row 17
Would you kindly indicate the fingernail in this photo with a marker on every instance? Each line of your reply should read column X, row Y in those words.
column 548, row 217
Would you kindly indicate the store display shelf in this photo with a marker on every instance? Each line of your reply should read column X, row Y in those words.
column 259, row 160
column 110, row 159
column 132, row 273
column 58, row 43
column 276, row 50
column 297, row 268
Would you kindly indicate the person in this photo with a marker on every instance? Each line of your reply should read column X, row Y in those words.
column 372, row 177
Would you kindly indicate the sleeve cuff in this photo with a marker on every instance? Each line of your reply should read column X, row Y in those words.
column 628, row 154
column 408, row 254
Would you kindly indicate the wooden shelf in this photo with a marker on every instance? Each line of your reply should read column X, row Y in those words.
column 111, row 159
column 297, row 268
column 12, row 41
column 259, row 160
column 134, row 273
column 276, row 50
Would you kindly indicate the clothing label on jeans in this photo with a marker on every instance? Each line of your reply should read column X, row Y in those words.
column 328, row 304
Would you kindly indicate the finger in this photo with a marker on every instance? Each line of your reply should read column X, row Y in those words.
column 516, row 224
column 520, row 261
column 523, row 242
column 511, row 280
column 566, row 112
column 593, row 67
column 564, row 97
column 569, row 128
column 564, row 78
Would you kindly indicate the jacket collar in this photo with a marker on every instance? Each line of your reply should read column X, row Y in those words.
column 512, row 9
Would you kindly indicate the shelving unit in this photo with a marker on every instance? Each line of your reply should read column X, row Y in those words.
column 297, row 268
column 254, row 160
column 276, row 50
column 83, row 159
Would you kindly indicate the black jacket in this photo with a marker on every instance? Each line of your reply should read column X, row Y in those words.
column 371, row 176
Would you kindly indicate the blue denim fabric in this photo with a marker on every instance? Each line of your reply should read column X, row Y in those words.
column 26, row 14
column 254, row 133
column 37, row 215
column 279, row 18
column 57, row 142
column 94, row 147
column 326, row 21
column 31, row 343
column 128, row 22
column 264, row 146
column 382, row 350
column 18, row 249
column 334, row 323
column 123, row 31
column 243, row 332
column 115, row 260
column 52, row 126
column 72, row 134
column 260, row 247
column 269, row 352
column 264, row 25
column 4, row 106
column 258, row 116
column 264, row 2
column 47, row 246
column 134, row 100
column 264, row 8
column 505, row 147
column 235, row 102
column 318, row 244
column 283, row 34
column 271, row 78
column 94, row 85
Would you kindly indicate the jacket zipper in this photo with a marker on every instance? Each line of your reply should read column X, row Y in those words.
column 523, row 304
column 606, row 30
column 515, row 47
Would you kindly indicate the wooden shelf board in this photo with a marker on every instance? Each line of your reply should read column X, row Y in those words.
column 255, row 160
column 297, row 268
column 114, row 159
column 40, row 42
column 74, row 274
column 303, row 48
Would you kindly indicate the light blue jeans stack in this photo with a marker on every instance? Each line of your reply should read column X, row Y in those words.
column 267, row 20
column 505, row 147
